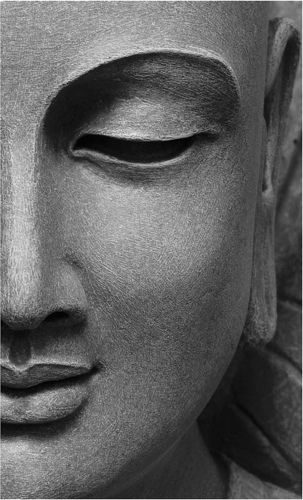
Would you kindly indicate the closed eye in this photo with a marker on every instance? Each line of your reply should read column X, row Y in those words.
column 132, row 151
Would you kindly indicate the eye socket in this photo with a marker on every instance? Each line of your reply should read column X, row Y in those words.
column 132, row 151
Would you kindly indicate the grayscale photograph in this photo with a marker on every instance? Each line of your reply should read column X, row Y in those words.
column 151, row 289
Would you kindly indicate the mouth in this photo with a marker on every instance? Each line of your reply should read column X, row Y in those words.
column 43, row 393
column 38, row 373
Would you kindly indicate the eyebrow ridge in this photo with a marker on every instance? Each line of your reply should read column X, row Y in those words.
column 204, row 56
column 205, row 85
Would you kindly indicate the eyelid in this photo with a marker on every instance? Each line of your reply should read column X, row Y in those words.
column 143, row 134
column 209, row 131
column 135, row 151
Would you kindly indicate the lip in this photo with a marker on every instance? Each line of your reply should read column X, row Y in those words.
column 38, row 373
column 44, row 392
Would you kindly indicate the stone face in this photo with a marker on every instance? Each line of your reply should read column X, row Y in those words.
column 151, row 262
column 159, row 271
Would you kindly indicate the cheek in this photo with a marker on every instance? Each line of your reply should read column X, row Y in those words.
column 166, row 270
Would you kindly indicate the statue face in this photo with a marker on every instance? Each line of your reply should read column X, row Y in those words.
column 132, row 151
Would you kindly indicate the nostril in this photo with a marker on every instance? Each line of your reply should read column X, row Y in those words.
column 57, row 316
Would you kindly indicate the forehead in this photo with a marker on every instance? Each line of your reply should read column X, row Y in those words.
column 47, row 44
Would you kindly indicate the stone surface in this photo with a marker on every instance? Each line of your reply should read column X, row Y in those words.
column 245, row 485
column 140, row 269
column 260, row 424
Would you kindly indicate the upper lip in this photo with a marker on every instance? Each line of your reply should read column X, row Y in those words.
column 35, row 374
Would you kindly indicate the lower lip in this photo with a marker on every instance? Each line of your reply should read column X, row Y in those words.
column 44, row 403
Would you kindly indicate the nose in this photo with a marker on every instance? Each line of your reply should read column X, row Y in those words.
column 36, row 283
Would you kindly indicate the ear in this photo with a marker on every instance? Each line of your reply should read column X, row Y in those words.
column 283, row 56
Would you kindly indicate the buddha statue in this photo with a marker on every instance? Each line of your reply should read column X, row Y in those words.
column 140, row 175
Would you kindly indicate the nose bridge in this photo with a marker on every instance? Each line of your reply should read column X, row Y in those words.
column 22, row 248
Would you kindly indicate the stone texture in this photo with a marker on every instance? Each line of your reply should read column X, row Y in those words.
column 259, row 426
column 245, row 485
